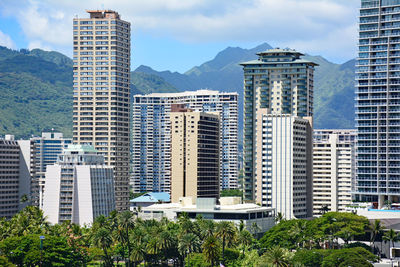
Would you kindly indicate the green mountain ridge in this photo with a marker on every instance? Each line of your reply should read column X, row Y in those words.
column 36, row 87
column 36, row 91
column 333, row 83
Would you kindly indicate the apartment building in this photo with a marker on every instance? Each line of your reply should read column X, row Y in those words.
column 151, row 136
column 334, row 169
column 101, row 88
column 38, row 153
column 279, row 83
column 195, row 165
column 377, row 102
column 9, row 177
column 79, row 186
column 283, row 146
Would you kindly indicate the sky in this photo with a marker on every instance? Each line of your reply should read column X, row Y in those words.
column 177, row 35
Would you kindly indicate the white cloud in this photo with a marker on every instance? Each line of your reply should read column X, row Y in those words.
column 314, row 26
column 38, row 44
column 5, row 40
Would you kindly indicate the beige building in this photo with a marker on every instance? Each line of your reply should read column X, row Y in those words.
column 334, row 169
column 194, row 154
column 102, row 92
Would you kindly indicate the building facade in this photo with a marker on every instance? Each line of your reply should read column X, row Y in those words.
column 334, row 169
column 230, row 209
column 195, row 165
column 279, row 82
column 151, row 141
column 9, row 177
column 377, row 102
column 38, row 153
column 102, row 92
column 283, row 165
column 79, row 187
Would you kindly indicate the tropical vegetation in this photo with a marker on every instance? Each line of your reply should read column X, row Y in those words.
column 124, row 239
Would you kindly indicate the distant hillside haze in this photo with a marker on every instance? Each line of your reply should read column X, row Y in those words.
column 36, row 87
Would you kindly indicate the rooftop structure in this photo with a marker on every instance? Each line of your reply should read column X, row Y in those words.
column 150, row 199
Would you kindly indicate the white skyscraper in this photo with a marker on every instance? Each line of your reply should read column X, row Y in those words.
column 79, row 187
column 283, row 164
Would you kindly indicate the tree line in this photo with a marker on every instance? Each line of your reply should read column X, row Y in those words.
column 123, row 239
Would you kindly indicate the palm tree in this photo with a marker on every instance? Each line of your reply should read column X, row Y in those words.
column 391, row 236
column 277, row 256
column 298, row 232
column 376, row 230
column 138, row 253
column 226, row 231
column 187, row 244
column 279, row 217
column 102, row 239
column 207, row 228
column 211, row 249
column 324, row 209
column 126, row 223
column 245, row 239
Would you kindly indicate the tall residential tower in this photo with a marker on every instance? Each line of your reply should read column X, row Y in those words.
column 194, row 154
column 378, row 102
column 102, row 92
column 278, row 100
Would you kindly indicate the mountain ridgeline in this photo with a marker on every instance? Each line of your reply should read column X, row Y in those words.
column 36, row 87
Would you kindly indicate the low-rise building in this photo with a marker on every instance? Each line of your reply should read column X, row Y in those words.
column 150, row 199
column 79, row 187
column 230, row 209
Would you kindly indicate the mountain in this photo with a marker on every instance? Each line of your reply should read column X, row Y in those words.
column 36, row 87
column 333, row 84
column 35, row 94
column 36, row 91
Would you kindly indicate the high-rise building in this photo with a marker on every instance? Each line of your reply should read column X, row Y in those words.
column 9, row 177
column 79, row 187
column 151, row 140
column 279, row 82
column 38, row 152
column 102, row 92
column 194, row 154
column 283, row 164
column 377, row 102
column 334, row 169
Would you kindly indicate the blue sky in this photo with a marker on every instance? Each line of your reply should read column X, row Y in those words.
column 179, row 34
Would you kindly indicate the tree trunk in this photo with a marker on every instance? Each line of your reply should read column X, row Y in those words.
column 223, row 250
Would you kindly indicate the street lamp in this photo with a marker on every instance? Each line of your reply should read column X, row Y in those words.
column 41, row 249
